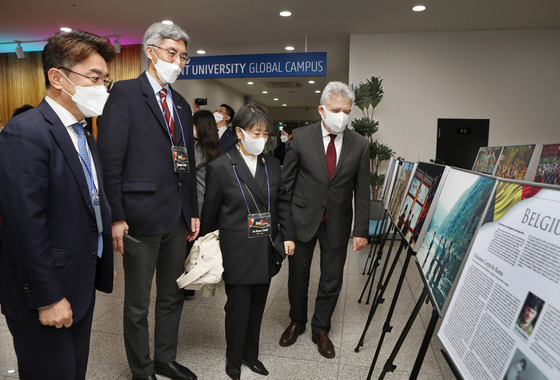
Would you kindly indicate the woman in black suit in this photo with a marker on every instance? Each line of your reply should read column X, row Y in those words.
column 244, row 194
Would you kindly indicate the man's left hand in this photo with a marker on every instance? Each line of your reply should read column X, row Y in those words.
column 195, row 229
column 358, row 243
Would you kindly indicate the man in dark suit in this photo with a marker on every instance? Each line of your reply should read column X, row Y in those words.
column 325, row 167
column 56, row 222
column 227, row 139
column 147, row 150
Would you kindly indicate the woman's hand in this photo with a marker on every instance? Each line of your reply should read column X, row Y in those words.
column 289, row 247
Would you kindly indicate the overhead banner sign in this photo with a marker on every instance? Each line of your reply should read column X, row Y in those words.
column 256, row 65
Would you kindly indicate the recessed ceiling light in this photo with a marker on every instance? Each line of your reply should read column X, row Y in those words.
column 419, row 8
column 167, row 22
column 201, row 52
column 311, row 82
column 265, row 92
column 284, row 105
column 66, row 29
column 289, row 48
column 317, row 91
column 275, row 99
column 285, row 13
column 250, row 83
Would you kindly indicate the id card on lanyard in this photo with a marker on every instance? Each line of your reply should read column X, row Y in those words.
column 179, row 153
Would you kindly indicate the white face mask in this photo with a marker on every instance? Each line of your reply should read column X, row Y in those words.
column 218, row 117
column 167, row 72
column 252, row 145
column 336, row 122
column 283, row 138
column 90, row 100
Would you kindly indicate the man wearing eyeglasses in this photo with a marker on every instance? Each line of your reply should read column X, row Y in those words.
column 56, row 223
column 146, row 144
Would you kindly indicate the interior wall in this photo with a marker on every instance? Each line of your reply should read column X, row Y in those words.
column 510, row 77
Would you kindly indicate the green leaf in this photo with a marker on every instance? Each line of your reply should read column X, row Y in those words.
column 369, row 93
column 365, row 126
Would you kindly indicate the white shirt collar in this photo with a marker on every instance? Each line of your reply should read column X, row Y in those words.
column 63, row 114
column 155, row 85
column 221, row 131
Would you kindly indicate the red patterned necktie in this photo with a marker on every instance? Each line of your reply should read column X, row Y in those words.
column 331, row 164
column 166, row 110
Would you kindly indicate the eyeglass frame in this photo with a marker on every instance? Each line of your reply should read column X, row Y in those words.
column 174, row 53
column 108, row 82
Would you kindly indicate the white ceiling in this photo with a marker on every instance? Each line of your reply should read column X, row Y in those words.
column 253, row 26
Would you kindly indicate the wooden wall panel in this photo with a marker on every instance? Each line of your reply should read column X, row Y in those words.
column 22, row 80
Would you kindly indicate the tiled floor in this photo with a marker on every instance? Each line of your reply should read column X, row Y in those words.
column 202, row 340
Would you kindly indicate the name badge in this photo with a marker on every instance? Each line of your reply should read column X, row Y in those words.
column 180, row 159
column 97, row 212
column 260, row 224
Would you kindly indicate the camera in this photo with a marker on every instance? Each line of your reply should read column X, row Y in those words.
column 201, row 101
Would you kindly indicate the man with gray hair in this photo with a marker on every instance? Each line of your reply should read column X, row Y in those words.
column 147, row 149
column 325, row 167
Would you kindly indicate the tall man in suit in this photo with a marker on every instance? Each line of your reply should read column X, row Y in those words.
column 325, row 167
column 56, row 222
column 147, row 149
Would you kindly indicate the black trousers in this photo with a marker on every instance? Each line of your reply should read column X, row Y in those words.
column 330, row 282
column 48, row 353
column 244, row 312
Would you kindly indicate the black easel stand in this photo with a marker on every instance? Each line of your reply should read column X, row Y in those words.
column 425, row 344
column 378, row 231
column 389, row 366
column 375, row 264
column 387, row 326
column 380, row 292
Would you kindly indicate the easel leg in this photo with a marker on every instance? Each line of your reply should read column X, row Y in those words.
column 425, row 344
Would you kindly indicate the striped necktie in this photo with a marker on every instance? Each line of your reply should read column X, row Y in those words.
column 166, row 110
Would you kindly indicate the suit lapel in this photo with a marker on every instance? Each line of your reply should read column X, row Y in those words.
column 178, row 128
column 246, row 178
column 317, row 136
column 151, row 100
column 64, row 141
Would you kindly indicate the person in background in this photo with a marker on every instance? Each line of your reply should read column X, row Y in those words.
column 147, row 148
column 22, row 109
column 56, row 221
column 224, row 115
column 325, row 169
column 285, row 137
column 246, row 200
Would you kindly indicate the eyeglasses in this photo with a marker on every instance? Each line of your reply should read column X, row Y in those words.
column 107, row 81
column 172, row 54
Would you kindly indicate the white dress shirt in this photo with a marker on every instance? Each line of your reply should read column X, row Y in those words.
column 250, row 160
column 221, row 131
column 327, row 140
column 157, row 88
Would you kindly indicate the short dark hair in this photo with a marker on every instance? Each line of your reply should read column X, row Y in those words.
column 251, row 115
column 288, row 128
column 69, row 49
column 229, row 111
column 22, row 109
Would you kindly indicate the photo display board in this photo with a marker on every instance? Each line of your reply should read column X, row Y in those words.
column 487, row 159
column 503, row 321
column 548, row 169
column 517, row 162
column 403, row 181
column 457, row 214
column 389, row 181
column 420, row 194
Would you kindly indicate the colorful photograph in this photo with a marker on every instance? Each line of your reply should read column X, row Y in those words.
column 514, row 162
column 457, row 214
column 548, row 170
column 486, row 159
column 400, row 188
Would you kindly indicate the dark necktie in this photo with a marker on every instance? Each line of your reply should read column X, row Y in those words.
column 331, row 164
column 166, row 110
column 86, row 167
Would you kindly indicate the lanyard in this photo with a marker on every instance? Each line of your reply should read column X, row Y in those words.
column 243, row 193
column 94, row 193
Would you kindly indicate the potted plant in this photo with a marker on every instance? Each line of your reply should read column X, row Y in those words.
column 368, row 95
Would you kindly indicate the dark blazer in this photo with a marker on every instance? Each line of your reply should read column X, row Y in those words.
column 307, row 181
column 135, row 149
column 245, row 260
column 227, row 141
column 49, row 233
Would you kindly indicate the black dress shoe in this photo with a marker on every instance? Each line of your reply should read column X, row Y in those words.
column 174, row 371
column 256, row 366
column 151, row 377
column 232, row 371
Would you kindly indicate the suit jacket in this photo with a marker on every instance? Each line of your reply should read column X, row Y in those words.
column 49, row 232
column 245, row 260
column 135, row 150
column 307, row 181
column 227, row 141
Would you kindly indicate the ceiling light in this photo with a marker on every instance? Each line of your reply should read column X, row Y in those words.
column 201, row 52
column 167, row 22
column 311, row 82
column 285, row 13
column 419, row 8
column 275, row 99
column 250, row 83
column 19, row 51
column 265, row 92
column 284, row 105
column 66, row 29
column 317, row 91
column 290, row 48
